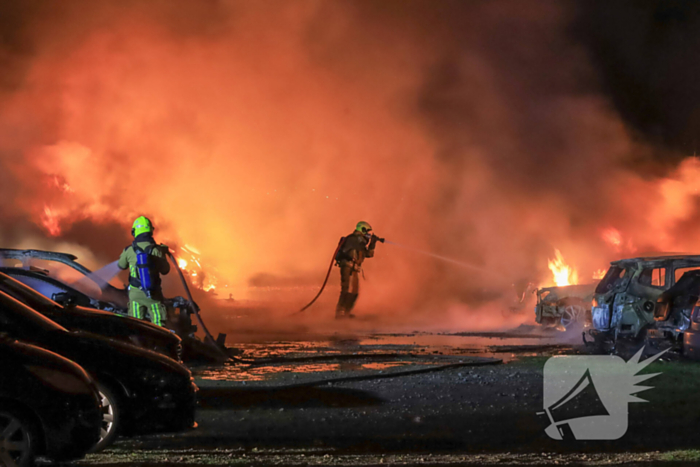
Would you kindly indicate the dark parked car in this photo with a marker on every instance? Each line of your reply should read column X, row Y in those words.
column 51, row 272
column 77, row 318
column 60, row 277
column 49, row 406
column 142, row 391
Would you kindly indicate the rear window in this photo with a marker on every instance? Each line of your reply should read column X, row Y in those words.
column 612, row 278
column 653, row 277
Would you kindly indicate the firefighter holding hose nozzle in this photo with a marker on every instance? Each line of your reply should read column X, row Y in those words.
column 351, row 253
column 146, row 261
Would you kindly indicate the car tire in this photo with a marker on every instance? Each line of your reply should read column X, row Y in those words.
column 572, row 315
column 110, row 418
column 19, row 439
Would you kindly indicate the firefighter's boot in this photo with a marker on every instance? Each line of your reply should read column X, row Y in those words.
column 349, row 304
column 340, row 307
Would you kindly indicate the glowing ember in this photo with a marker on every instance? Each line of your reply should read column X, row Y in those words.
column 50, row 222
column 599, row 274
column 563, row 273
column 182, row 263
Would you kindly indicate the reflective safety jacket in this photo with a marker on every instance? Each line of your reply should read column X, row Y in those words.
column 158, row 262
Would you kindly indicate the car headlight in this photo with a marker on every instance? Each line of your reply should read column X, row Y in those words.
column 60, row 380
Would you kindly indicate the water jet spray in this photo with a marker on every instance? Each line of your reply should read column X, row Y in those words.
column 444, row 258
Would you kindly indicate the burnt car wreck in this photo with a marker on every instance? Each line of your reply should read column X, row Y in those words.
column 562, row 307
column 647, row 299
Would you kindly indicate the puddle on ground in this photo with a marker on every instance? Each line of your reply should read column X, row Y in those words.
column 374, row 353
column 262, row 373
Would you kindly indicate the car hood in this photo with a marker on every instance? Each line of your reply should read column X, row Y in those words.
column 31, row 354
column 137, row 325
column 100, row 354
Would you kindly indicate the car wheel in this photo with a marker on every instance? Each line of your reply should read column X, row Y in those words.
column 110, row 418
column 571, row 315
column 18, row 440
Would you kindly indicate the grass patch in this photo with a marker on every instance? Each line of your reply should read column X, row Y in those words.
column 686, row 455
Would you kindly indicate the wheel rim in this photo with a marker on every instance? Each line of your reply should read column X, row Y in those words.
column 571, row 315
column 107, row 416
column 14, row 441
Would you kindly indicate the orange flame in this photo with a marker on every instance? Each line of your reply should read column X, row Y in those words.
column 612, row 237
column 563, row 273
column 50, row 222
column 599, row 274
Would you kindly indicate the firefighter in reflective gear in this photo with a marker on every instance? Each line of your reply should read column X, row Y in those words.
column 146, row 261
column 353, row 250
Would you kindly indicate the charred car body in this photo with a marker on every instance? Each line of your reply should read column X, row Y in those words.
column 564, row 306
column 640, row 297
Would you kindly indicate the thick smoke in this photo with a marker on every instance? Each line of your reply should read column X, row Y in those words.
column 258, row 133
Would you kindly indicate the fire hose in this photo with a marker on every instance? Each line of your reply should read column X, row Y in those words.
column 193, row 306
column 328, row 274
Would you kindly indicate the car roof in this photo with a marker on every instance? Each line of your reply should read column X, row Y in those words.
column 42, row 254
column 690, row 259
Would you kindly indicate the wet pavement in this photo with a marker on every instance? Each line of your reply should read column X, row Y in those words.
column 377, row 354
column 416, row 398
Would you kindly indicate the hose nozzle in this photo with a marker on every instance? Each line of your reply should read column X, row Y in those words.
column 378, row 239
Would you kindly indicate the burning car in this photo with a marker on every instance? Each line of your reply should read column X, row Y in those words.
column 640, row 296
column 564, row 306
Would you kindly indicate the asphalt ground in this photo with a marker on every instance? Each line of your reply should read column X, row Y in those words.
column 416, row 398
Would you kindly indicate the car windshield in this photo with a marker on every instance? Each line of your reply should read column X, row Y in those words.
column 69, row 276
column 15, row 314
column 24, row 293
column 612, row 279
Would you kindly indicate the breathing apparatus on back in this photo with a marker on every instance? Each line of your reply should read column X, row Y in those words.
column 339, row 255
column 144, row 261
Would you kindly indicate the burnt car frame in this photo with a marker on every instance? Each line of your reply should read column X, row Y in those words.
column 564, row 306
column 625, row 300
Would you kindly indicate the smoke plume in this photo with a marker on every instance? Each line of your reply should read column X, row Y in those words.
column 259, row 133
